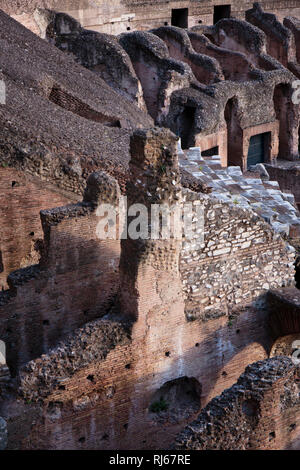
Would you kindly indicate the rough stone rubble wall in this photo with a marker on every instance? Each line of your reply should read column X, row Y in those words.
column 294, row 25
column 280, row 40
column 240, row 259
column 98, row 52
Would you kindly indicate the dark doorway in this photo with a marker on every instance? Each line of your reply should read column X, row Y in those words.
column 258, row 148
column 234, row 134
column 185, row 126
column 221, row 11
column 180, row 17
column 210, row 152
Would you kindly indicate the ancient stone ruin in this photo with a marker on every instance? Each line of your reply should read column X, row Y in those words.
column 150, row 225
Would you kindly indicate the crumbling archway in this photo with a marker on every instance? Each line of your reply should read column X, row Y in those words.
column 234, row 133
column 176, row 401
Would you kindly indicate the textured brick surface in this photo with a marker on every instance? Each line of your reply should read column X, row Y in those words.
column 21, row 199
column 261, row 411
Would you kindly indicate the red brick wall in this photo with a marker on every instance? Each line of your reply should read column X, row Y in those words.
column 104, row 404
column 21, row 199
column 261, row 411
column 112, row 411
column 75, row 282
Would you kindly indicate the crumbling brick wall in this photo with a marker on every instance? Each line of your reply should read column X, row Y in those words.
column 293, row 24
column 206, row 69
column 159, row 74
column 98, row 52
column 85, row 396
column 75, row 281
column 261, row 411
column 21, row 199
column 280, row 40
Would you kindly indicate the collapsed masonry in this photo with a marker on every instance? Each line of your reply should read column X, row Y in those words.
column 102, row 385
column 261, row 411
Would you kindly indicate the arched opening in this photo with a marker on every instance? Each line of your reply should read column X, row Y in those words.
column 234, row 134
column 287, row 115
column 176, row 401
column 185, row 126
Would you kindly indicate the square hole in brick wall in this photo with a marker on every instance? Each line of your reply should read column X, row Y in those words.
column 180, row 17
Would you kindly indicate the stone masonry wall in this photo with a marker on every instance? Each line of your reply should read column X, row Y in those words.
column 240, row 259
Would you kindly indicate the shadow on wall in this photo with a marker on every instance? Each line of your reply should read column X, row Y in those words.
column 78, row 284
column 297, row 276
column 287, row 113
column 234, row 133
